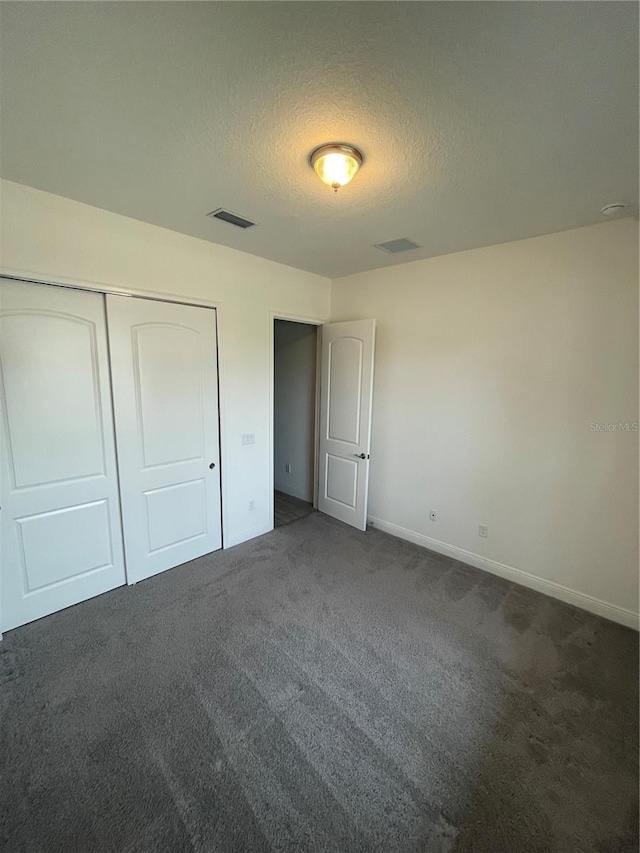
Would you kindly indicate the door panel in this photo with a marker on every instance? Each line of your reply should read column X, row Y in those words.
column 54, row 418
column 342, row 480
column 165, row 390
column 61, row 534
column 345, row 420
column 162, row 351
column 176, row 513
column 345, row 389
column 83, row 544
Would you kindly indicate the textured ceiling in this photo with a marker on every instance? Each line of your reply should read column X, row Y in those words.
column 479, row 122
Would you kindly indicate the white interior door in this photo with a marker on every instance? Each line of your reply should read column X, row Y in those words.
column 61, row 537
column 345, row 420
column 165, row 391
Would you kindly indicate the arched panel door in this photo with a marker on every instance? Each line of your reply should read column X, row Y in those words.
column 345, row 420
column 61, row 537
column 165, row 391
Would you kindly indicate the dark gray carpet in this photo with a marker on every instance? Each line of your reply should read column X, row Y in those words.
column 320, row 689
column 286, row 509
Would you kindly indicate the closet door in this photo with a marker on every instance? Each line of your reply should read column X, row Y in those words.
column 61, row 536
column 165, row 392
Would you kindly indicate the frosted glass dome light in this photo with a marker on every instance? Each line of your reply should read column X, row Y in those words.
column 336, row 164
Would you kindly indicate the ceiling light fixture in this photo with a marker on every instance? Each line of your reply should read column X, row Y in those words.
column 336, row 164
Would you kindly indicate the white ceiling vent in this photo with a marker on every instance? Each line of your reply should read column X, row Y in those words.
column 402, row 244
column 231, row 218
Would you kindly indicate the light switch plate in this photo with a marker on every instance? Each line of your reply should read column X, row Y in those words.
column 248, row 438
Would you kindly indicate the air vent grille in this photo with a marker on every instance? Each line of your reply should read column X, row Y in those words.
column 231, row 218
column 402, row 244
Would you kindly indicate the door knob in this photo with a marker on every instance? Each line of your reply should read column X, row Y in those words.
column 213, row 465
column 361, row 455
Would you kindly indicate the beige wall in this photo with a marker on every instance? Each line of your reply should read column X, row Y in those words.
column 59, row 239
column 491, row 365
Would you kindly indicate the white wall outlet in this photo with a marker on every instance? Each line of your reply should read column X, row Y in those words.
column 433, row 515
column 287, row 469
column 252, row 506
column 483, row 531
column 248, row 438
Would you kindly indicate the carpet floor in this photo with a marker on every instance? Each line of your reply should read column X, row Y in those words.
column 320, row 689
column 286, row 509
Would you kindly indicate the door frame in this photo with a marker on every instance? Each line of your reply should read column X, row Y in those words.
column 102, row 287
column 308, row 321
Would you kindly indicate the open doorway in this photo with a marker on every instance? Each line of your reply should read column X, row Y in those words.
column 294, row 419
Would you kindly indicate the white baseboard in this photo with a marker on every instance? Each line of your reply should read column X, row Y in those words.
column 248, row 533
column 556, row 590
column 295, row 493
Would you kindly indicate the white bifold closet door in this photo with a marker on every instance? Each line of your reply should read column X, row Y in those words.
column 165, row 393
column 60, row 537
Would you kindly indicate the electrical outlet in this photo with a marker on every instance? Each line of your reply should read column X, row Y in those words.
column 433, row 515
column 287, row 469
column 248, row 438
column 483, row 531
column 252, row 506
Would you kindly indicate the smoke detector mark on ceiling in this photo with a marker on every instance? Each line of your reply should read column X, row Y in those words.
column 402, row 244
column 231, row 218
column 613, row 208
